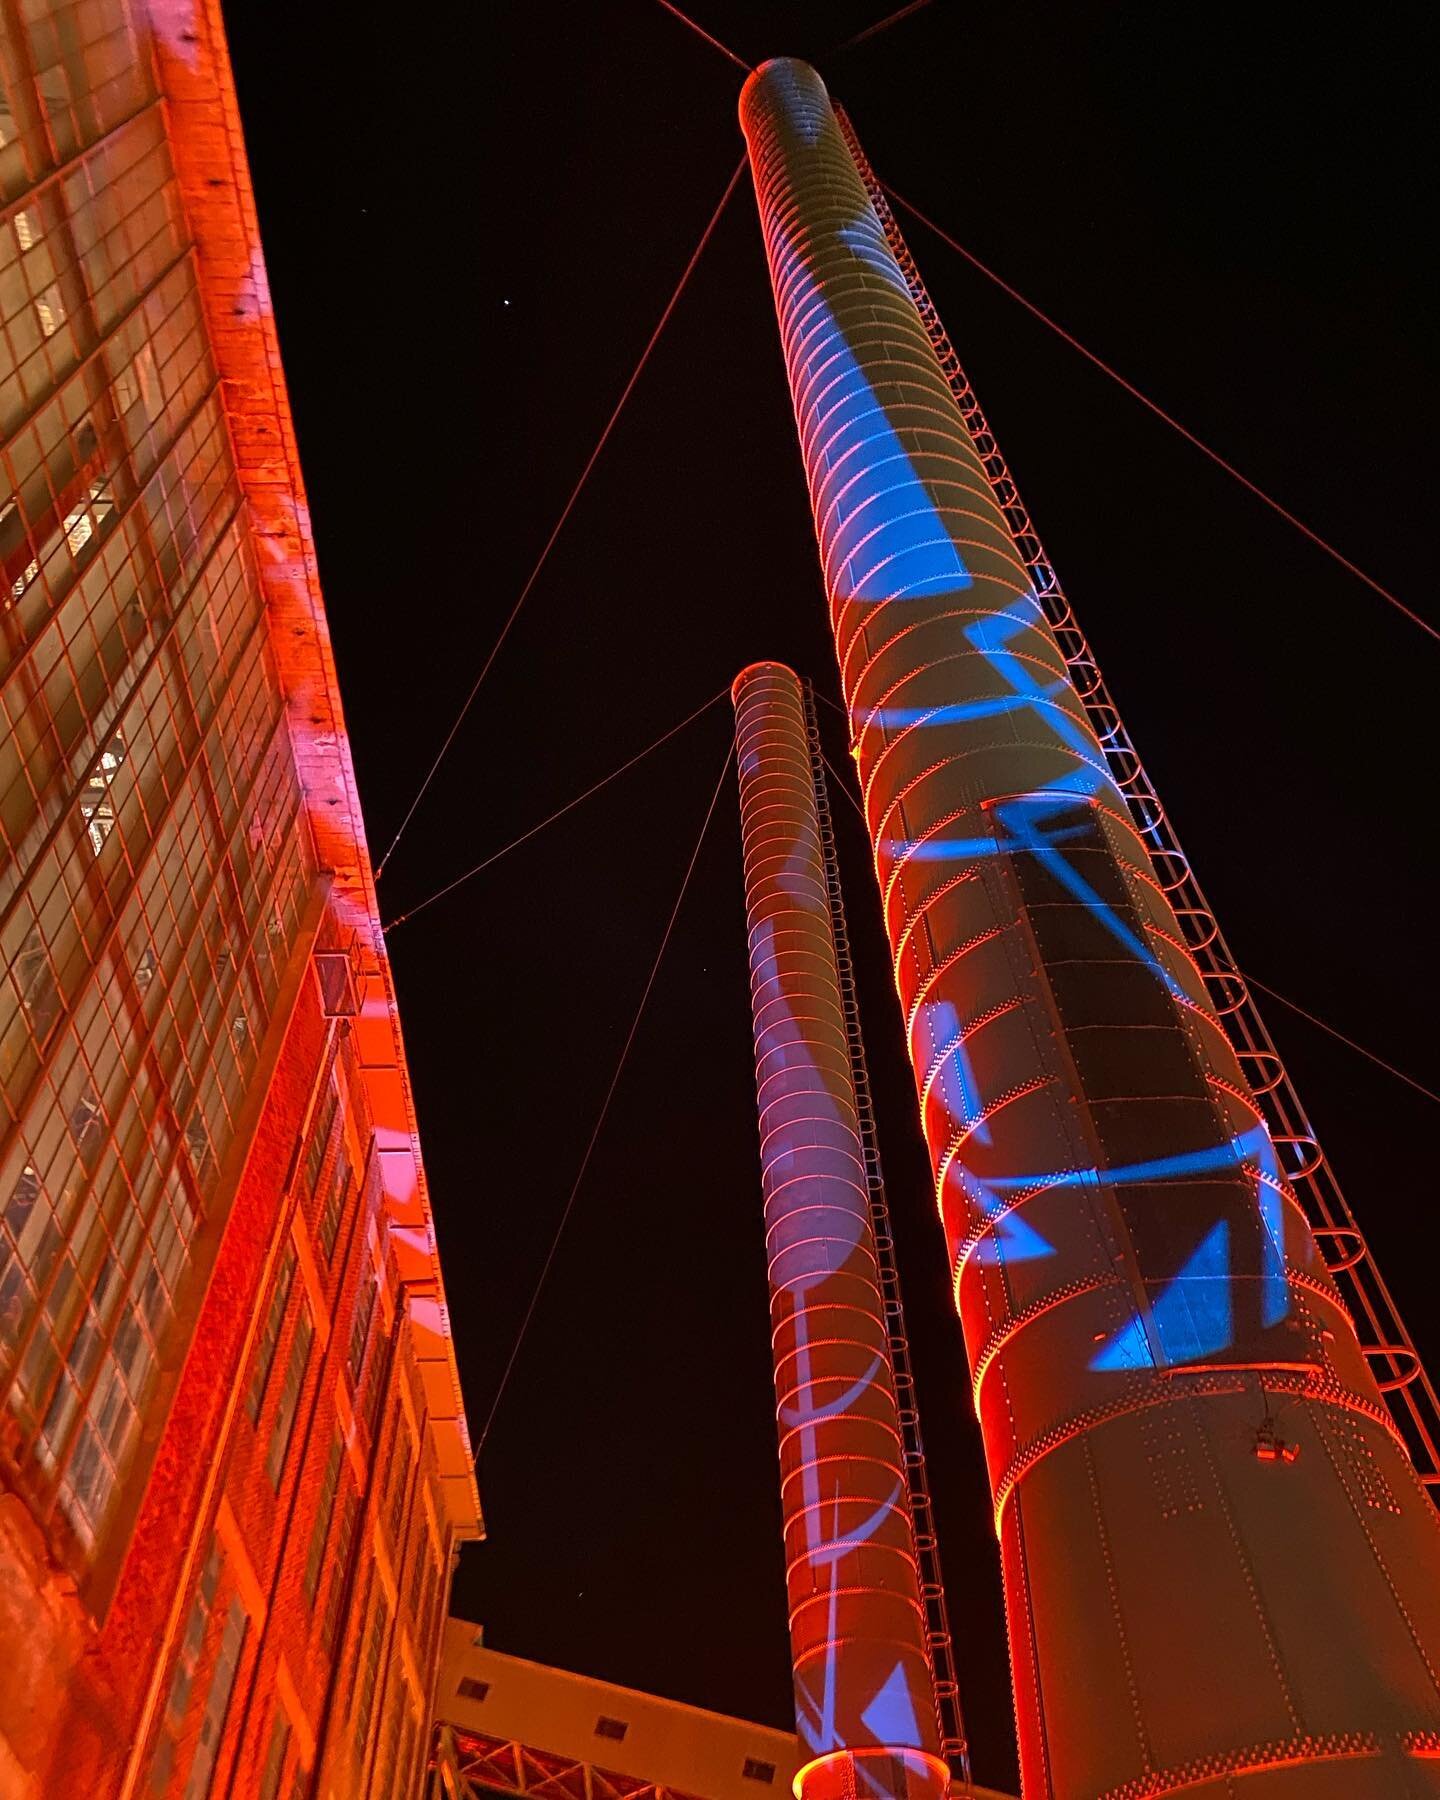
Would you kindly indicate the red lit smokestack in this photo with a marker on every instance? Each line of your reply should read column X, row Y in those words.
column 864, row 1688
column 1222, row 1573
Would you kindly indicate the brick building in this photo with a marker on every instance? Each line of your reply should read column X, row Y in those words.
column 507, row 1726
column 233, row 1459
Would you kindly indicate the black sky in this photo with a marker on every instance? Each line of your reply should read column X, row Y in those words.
column 473, row 217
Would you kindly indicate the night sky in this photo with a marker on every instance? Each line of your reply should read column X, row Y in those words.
column 473, row 217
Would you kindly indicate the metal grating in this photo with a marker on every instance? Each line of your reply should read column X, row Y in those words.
column 927, row 1553
column 1404, row 1383
column 474, row 1764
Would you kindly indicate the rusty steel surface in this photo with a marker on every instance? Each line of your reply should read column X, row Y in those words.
column 1222, row 1571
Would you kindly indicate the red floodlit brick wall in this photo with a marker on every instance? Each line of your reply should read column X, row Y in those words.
column 400, row 1545
column 88, row 1677
column 273, row 1525
column 158, row 549
column 86, row 1684
column 296, row 1688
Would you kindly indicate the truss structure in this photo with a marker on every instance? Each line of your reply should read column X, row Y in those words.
column 467, row 1765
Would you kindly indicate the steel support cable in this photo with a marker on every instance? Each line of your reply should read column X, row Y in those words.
column 880, row 25
column 605, row 1103
column 1244, row 974
column 1359, row 1049
column 1160, row 413
column 700, row 31
column 530, row 581
column 559, row 813
column 847, row 789
column 847, row 784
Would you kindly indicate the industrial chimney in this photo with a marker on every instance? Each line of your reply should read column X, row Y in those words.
column 1222, row 1573
column 865, row 1700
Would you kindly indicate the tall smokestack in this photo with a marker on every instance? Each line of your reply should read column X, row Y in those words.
column 1222, row 1573
column 864, row 1688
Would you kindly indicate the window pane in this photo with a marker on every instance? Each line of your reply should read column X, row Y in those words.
column 270, row 1334
column 217, row 1702
column 289, row 1400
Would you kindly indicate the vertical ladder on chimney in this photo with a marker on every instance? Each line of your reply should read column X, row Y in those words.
column 1405, row 1385
column 927, row 1555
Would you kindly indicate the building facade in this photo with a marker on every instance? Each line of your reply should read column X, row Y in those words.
column 507, row 1726
column 233, row 1459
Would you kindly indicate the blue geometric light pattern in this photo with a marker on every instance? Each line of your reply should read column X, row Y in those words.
column 825, row 1550
column 1192, row 1317
column 911, row 554
column 890, row 1716
column 903, row 550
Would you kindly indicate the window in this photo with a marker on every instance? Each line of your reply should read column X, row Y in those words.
column 289, row 1399
column 87, row 1127
column 186, row 1663
column 340, row 1566
column 95, row 806
column 397, row 1478
column 367, row 1406
column 316, row 1149
column 360, row 1328
column 21, row 582
column 610, row 1728
column 15, row 1287
column 407, row 1752
column 370, row 1671
column 217, row 1702
column 197, row 1143
column 431, row 1590
column 22, row 1201
column 389, row 1737
column 471, row 1689
column 50, row 310
column 81, row 522
column 36, row 982
column 270, row 1335
column 756, row 1770
column 338, row 997
column 419, row 1559
column 111, row 1419
column 315, row 1555
column 275, row 1758
column 335, row 1197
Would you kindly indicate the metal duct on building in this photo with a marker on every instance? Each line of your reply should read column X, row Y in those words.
column 1222, row 1573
